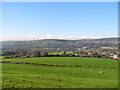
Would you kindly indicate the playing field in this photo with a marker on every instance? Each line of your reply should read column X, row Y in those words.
column 60, row 72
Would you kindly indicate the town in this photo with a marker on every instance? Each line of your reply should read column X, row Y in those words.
column 100, row 48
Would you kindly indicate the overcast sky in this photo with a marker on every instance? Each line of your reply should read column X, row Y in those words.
column 59, row 20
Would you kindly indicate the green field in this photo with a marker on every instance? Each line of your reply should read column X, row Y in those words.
column 60, row 72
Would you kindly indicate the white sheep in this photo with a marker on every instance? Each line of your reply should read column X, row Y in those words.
column 101, row 72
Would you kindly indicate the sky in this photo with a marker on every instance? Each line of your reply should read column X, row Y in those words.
column 59, row 20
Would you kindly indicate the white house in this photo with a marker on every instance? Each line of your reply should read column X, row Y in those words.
column 113, row 56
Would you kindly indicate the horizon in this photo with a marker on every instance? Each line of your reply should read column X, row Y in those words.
column 59, row 20
column 63, row 39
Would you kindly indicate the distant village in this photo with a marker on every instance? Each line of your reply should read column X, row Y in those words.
column 99, row 48
column 103, row 52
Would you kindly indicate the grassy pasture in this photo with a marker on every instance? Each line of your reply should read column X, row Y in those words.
column 1, row 57
column 37, row 76
column 68, row 61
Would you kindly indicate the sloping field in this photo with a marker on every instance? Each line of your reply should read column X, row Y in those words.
column 52, row 73
column 83, row 61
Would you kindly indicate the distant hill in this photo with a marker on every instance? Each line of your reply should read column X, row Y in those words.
column 60, row 43
column 108, row 39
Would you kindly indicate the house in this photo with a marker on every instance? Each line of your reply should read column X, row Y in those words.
column 118, row 59
column 113, row 56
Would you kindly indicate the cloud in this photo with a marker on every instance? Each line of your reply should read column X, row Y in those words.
column 50, row 36
column 44, row 36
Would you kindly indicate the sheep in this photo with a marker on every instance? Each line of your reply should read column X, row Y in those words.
column 101, row 72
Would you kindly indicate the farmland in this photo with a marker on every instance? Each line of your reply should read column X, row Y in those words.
column 60, row 72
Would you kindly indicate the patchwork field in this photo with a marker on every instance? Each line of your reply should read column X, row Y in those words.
column 60, row 72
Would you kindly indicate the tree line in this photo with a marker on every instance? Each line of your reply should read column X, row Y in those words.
column 35, row 52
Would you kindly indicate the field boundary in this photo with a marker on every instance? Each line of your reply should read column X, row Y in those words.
column 57, row 65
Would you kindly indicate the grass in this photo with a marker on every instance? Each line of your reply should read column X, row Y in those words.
column 68, row 61
column 1, row 57
column 59, row 53
column 36, row 76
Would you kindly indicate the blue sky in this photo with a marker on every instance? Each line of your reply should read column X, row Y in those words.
column 60, row 20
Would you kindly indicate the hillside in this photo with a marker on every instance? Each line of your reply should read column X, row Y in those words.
column 61, row 44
